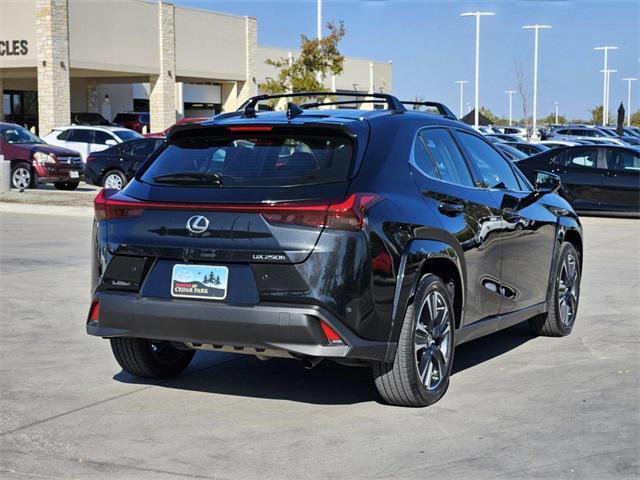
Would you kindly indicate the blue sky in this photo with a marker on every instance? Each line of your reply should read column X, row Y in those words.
column 431, row 46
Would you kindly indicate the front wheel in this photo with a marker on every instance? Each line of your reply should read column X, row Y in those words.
column 22, row 176
column 563, row 304
column 419, row 374
column 148, row 359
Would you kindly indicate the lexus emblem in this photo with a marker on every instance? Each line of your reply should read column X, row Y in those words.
column 197, row 224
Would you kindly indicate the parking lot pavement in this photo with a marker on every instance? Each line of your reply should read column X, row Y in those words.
column 518, row 406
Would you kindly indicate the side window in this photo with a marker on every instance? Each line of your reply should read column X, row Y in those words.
column 80, row 135
column 618, row 159
column 582, row 158
column 422, row 158
column 143, row 148
column 495, row 171
column 447, row 159
column 64, row 135
column 101, row 137
column 559, row 158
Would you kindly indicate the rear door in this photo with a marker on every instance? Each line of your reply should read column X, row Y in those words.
column 79, row 139
column 621, row 179
column 527, row 234
column 469, row 213
column 582, row 176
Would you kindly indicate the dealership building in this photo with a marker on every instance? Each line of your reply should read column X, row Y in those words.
column 63, row 56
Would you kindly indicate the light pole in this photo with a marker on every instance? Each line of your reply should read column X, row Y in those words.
column 536, row 28
column 605, row 107
column 468, row 107
column 461, row 82
column 607, row 80
column 510, row 93
column 319, row 31
column 477, row 15
column 556, row 104
column 629, row 80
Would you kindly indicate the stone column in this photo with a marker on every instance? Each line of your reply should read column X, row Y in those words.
column 54, row 92
column 93, row 98
column 162, row 94
column 249, row 87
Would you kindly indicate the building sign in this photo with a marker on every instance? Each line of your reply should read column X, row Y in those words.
column 10, row 48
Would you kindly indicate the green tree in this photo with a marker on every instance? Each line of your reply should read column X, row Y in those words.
column 596, row 114
column 317, row 60
column 551, row 119
column 492, row 117
column 635, row 118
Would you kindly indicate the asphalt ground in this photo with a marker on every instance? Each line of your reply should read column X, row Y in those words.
column 518, row 406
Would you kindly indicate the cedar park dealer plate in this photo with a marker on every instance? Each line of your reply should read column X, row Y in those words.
column 199, row 281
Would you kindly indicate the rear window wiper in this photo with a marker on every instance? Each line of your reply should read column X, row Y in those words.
column 190, row 178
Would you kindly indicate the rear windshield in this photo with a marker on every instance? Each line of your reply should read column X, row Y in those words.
column 252, row 160
column 125, row 135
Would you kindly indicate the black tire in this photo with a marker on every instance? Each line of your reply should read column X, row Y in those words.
column 66, row 185
column 22, row 176
column 555, row 322
column 143, row 358
column 116, row 174
column 399, row 382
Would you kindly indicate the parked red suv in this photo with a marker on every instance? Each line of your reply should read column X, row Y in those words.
column 134, row 120
column 34, row 161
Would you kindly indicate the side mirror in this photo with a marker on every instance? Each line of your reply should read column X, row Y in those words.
column 547, row 182
column 110, row 142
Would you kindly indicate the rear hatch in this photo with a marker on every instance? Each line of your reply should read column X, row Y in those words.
column 249, row 194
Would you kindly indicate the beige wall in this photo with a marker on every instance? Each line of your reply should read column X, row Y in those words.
column 18, row 22
column 120, row 35
column 356, row 70
column 210, row 45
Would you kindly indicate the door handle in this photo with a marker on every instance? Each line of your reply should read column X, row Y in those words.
column 450, row 208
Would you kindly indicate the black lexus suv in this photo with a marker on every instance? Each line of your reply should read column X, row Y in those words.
column 380, row 237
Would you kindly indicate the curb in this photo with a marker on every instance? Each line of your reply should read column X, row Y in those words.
column 34, row 209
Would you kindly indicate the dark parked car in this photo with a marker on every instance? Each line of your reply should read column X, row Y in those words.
column 512, row 154
column 89, row 118
column 33, row 161
column 594, row 178
column 382, row 238
column 529, row 148
column 134, row 120
column 114, row 167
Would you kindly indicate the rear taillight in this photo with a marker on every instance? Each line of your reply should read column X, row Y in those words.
column 90, row 158
column 94, row 311
column 347, row 214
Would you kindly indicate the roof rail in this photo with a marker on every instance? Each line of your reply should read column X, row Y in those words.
column 249, row 107
column 441, row 107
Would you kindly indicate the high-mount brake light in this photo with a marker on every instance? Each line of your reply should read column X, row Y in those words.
column 250, row 128
column 347, row 214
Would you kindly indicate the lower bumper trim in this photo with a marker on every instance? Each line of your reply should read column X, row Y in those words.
column 292, row 328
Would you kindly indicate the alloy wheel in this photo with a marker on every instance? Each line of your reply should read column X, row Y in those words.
column 432, row 340
column 113, row 180
column 568, row 290
column 21, row 177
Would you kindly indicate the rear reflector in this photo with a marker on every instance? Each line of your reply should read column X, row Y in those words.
column 94, row 311
column 332, row 336
column 346, row 214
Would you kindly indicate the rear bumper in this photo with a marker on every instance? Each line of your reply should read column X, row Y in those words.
column 292, row 328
